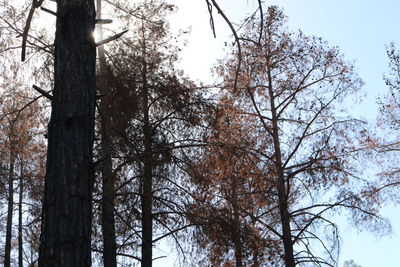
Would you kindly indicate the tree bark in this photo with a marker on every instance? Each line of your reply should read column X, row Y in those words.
column 67, row 205
column 7, row 250
column 281, row 183
column 108, row 192
column 237, row 245
column 21, row 188
column 147, row 194
column 236, row 234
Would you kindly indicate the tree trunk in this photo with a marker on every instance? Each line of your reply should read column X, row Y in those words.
column 281, row 183
column 21, row 188
column 236, row 234
column 108, row 193
column 7, row 250
column 256, row 262
column 67, row 206
column 285, row 221
column 238, row 245
column 147, row 194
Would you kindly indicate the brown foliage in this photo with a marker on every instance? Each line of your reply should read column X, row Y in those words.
column 288, row 97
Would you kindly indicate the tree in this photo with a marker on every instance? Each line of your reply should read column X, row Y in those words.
column 351, row 263
column 11, row 176
column 229, row 192
column 293, row 85
column 67, row 206
column 108, row 179
column 385, row 145
column 150, row 110
column 389, row 124
column 20, row 145
column 21, row 138
column 389, row 106
column 69, row 170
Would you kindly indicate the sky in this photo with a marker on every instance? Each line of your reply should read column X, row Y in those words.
column 361, row 29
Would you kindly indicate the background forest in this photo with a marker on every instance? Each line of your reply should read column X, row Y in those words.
column 263, row 164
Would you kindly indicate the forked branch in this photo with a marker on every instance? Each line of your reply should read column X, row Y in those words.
column 43, row 92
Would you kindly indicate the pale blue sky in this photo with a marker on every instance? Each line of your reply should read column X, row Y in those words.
column 361, row 29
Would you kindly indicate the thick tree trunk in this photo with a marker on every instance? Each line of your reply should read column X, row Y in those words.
column 67, row 207
column 7, row 250
column 21, row 188
column 108, row 194
column 147, row 194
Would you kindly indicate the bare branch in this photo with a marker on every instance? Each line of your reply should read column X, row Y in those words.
column 112, row 38
column 104, row 21
column 43, row 92
column 49, row 11
column 237, row 40
column 27, row 26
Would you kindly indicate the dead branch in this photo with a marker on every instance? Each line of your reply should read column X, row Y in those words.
column 27, row 27
column 49, row 11
column 112, row 38
column 237, row 40
column 101, row 96
column 43, row 92
column 104, row 21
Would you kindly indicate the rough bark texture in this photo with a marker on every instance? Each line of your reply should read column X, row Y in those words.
column 108, row 192
column 7, row 250
column 67, row 207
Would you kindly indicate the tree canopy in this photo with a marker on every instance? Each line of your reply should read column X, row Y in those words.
column 256, row 169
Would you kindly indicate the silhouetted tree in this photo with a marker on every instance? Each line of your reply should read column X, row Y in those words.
column 67, row 206
column 151, row 109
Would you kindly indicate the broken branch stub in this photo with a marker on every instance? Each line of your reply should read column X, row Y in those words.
column 104, row 21
column 112, row 38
